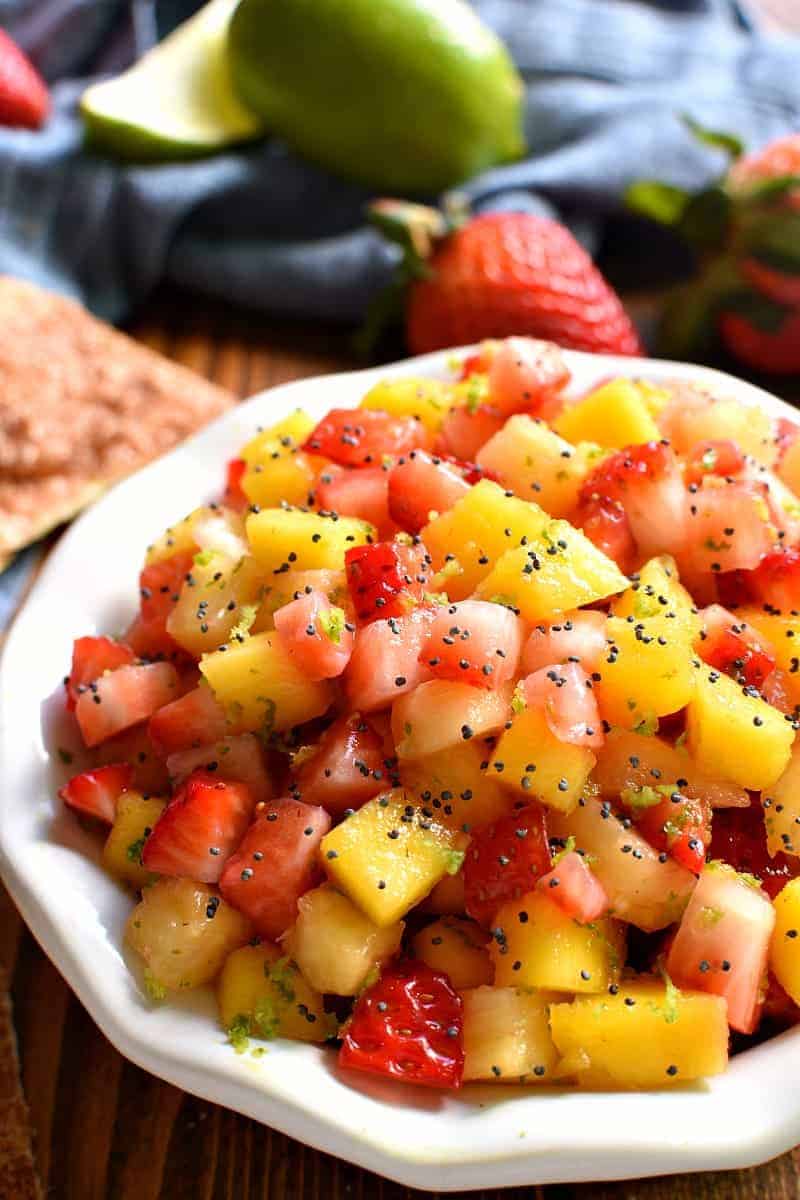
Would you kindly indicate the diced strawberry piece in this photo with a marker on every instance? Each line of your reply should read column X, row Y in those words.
column 727, row 527
column 385, row 661
column 408, row 1026
column 234, row 495
column 238, row 759
column 91, row 658
column 606, row 524
column 564, row 691
column 315, row 634
column 386, row 579
column 123, row 698
column 676, row 823
column 776, row 580
column 194, row 720
column 347, row 767
column 575, row 888
column 478, row 363
column 647, row 482
column 504, row 861
column 734, row 647
column 527, row 375
column 777, row 691
column 352, row 492
column 474, row 642
column 96, row 792
column 465, row 429
column 134, row 747
column 470, row 472
column 363, row 437
column 200, row 828
column 577, row 636
column 275, row 864
column 786, row 434
column 160, row 584
column 420, row 486
column 739, row 837
column 149, row 640
column 721, row 457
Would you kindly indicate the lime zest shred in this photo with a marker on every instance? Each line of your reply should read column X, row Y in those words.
column 332, row 623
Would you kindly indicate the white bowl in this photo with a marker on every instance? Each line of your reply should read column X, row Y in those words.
column 482, row 1137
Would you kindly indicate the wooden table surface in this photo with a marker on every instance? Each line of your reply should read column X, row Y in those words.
column 100, row 1128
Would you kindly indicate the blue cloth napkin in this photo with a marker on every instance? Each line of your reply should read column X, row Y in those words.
column 606, row 83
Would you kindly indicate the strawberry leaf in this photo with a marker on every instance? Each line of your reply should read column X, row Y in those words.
column 688, row 327
column 727, row 142
column 706, row 219
column 658, row 201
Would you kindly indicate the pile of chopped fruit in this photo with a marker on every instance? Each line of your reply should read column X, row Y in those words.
column 460, row 733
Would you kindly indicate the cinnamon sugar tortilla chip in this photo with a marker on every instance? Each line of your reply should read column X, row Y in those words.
column 81, row 405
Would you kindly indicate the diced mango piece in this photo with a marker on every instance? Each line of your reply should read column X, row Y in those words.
column 457, row 786
column 782, row 632
column 647, row 672
column 614, row 415
column 644, row 1036
column 439, row 714
column 784, row 951
column 289, row 433
column 557, row 571
column 262, row 994
column 429, row 400
column 507, row 1036
column 335, row 945
column 122, row 854
column 388, row 855
column 537, row 945
column 658, row 595
column 468, row 538
column 277, row 470
column 736, row 735
column 538, row 465
column 260, row 687
column 459, row 948
column 530, row 759
column 287, row 539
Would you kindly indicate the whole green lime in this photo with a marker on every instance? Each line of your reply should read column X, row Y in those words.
column 403, row 95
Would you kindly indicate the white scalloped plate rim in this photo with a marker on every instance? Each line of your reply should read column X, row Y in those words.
column 481, row 1137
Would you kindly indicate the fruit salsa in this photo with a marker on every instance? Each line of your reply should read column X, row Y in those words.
column 460, row 732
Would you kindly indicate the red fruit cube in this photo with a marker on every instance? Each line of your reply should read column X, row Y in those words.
column 734, row 647
column 96, row 792
column 386, row 579
column 363, row 437
column 124, row 697
column 346, row 769
column 195, row 719
column 91, row 658
column 575, row 888
column 504, row 861
column 315, row 634
column 474, row 642
column 199, row 829
column 421, row 485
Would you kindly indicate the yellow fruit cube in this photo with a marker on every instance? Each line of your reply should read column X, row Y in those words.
column 782, row 810
column 784, row 951
column 292, row 539
column 459, row 948
column 789, row 468
column 647, row 672
column 289, row 433
column 439, row 714
column 457, row 786
column 557, row 571
column 387, row 856
column 261, row 689
column 262, row 994
column 537, row 945
column 429, row 400
column 530, row 759
column 614, row 415
column 647, row 1035
column 749, row 426
column 658, row 595
column 736, row 735
column 538, row 465
column 507, row 1036
column 277, row 470
column 122, row 853
column 335, row 945
column 219, row 597
column 203, row 528
column 466, row 540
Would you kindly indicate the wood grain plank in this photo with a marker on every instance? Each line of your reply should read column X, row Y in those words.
column 145, row 1117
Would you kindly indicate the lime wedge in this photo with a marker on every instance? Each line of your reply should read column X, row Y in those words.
column 177, row 101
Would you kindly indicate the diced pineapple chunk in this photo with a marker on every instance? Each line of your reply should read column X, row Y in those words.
column 507, row 1036
column 648, row 671
column 429, row 400
column 614, row 415
column 183, row 931
column 469, row 537
column 537, row 945
column 736, row 735
column 784, row 951
column 387, row 856
column 658, row 595
column 456, row 786
column 646, row 1035
column 335, row 945
column 204, row 528
column 277, row 470
column 122, row 854
column 439, row 714
column 285, row 539
column 557, row 571
column 751, row 427
column 289, row 433
column 459, row 948
column 219, row 596
column 537, row 464
column 262, row 994
column 532, row 760
column 260, row 687
column 782, row 810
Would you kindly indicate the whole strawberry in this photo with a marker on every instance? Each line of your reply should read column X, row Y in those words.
column 499, row 274
column 24, row 99
column 745, row 231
